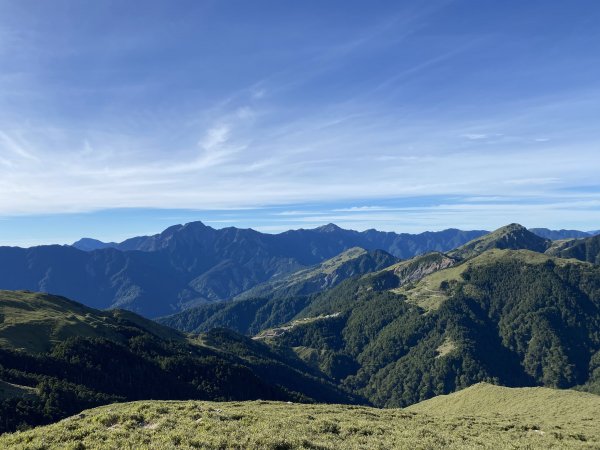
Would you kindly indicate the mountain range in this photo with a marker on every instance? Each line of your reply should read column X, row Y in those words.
column 363, row 326
column 191, row 264
column 402, row 245
column 497, row 309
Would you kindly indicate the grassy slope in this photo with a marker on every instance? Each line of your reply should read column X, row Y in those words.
column 34, row 322
column 544, row 404
column 513, row 236
column 504, row 418
column 428, row 294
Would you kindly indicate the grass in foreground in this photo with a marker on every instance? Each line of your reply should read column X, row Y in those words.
column 509, row 419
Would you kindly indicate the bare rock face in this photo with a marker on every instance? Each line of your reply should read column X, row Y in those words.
column 419, row 267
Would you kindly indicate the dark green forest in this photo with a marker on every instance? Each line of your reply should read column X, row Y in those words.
column 509, row 322
column 134, row 364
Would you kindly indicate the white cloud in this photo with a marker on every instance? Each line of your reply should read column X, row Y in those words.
column 364, row 209
column 245, row 153
column 215, row 137
column 475, row 136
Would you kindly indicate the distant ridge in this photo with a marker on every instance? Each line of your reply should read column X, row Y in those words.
column 555, row 235
column 89, row 244
column 148, row 243
column 401, row 245
column 586, row 249
column 192, row 264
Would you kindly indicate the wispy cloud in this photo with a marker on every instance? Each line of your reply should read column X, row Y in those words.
column 16, row 147
column 475, row 136
column 215, row 137
column 388, row 109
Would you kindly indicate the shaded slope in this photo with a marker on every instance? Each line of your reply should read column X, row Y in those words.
column 587, row 249
column 143, row 282
column 75, row 357
column 276, row 302
column 191, row 264
column 555, row 235
column 248, row 316
column 329, row 273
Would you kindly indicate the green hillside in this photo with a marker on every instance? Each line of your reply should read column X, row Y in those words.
column 546, row 405
column 432, row 290
column 509, row 419
column 587, row 249
column 34, row 322
column 513, row 236
column 435, row 324
column 329, row 273
column 276, row 302
column 514, row 317
column 58, row 357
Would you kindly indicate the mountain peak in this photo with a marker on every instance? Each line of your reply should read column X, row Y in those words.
column 196, row 225
column 512, row 236
column 89, row 244
column 512, row 227
column 329, row 228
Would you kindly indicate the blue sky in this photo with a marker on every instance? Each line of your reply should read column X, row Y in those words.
column 121, row 118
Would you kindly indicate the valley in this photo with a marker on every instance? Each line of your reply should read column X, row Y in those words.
column 508, row 308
